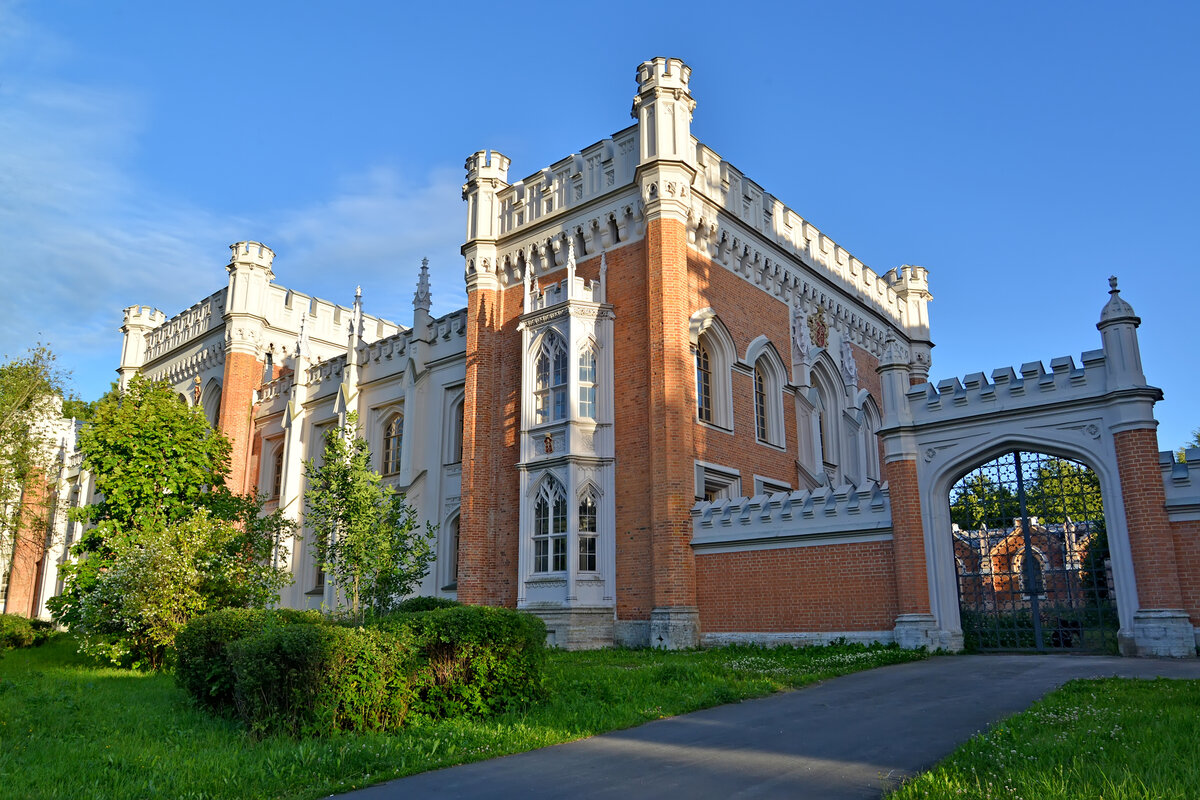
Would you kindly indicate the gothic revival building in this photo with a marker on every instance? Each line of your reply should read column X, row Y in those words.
column 674, row 412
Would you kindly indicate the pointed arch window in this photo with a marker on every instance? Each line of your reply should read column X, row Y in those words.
column 455, row 449
column 760, row 403
column 393, row 439
column 713, row 349
column 704, row 409
column 1032, row 579
column 277, row 472
column 550, row 528
column 550, row 379
column 587, row 533
column 587, row 382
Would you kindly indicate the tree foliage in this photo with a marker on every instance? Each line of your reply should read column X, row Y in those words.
column 1181, row 453
column 366, row 537
column 169, row 541
column 28, row 386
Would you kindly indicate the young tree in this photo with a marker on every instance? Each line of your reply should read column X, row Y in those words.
column 1181, row 453
column 169, row 541
column 367, row 537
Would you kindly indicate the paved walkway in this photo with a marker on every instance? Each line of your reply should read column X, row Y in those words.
column 850, row 737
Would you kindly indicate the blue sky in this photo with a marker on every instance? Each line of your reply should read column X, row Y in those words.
column 1023, row 152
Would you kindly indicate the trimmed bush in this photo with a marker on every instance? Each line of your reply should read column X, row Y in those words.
column 474, row 660
column 314, row 678
column 202, row 664
column 15, row 632
column 415, row 604
column 301, row 673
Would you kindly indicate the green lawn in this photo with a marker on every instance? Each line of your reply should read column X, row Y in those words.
column 72, row 729
column 1111, row 739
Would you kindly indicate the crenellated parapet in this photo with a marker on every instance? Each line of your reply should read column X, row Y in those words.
column 741, row 226
column 189, row 324
column 1010, row 390
column 179, row 370
column 793, row 519
column 1181, row 481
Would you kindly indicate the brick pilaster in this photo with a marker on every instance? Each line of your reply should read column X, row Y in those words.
column 1150, row 538
column 908, row 537
column 243, row 374
column 671, row 413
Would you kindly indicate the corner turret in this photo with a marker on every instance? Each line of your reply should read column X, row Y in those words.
column 139, row 321
column 911, row 284
column 663, row 108
column 487, row 174
column 249, row 275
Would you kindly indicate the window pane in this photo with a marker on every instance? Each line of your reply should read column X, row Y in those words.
column 760, row 404
column 560, row 553
column 587, row 553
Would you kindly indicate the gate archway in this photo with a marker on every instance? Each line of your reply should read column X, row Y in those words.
column 1032, row 558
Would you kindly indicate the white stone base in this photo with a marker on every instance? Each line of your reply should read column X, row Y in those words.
column 632, row 633
column 1163, row 633
column 795, row 639
column 914, row 631
column 576, row 628
column 675, row 628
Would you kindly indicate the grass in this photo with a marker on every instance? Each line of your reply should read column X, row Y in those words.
column 70, row 728
column 1110, row 739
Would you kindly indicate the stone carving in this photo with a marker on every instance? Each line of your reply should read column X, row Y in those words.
column 849, row 366
column 818, row 328
column 801, row 341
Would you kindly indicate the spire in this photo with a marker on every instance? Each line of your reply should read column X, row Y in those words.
column 603, row 298
column 302, row 338
column 1116, row 310
column 421, row 299
column 356, row 319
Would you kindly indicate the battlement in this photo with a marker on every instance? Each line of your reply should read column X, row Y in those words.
column 663, row 73
column 556, row 293
column 144, row 316
column 598, row 169
column 793, row 519
column 1181, row 482
column 187, row 325
column 279, row 387
column 908, row 278
column 487, row 164
column 1010, row 389
column 255, row 254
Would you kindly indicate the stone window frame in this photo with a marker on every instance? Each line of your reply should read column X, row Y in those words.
column 717, row 482
column 551, row 397
column 549, row 541
column 767, row 368
column 707, row 332
column 391, row 450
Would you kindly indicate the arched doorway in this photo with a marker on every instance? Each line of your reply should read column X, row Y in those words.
column 1032, row 556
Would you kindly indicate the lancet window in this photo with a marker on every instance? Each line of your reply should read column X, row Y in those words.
column 587, row 533
column 550, row 528
column 550, row 379
column 587, row 383
column 393, row 438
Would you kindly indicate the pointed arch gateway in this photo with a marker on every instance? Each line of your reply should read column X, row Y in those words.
column 1038, row 571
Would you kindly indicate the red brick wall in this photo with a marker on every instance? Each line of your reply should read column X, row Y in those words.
column 488, row 536
column 1187, row 556
column 748, row 312
column 29, row 548
column 847, row 587
column 671, row 407
column 1150, row 538
column 243, row 374
column 908, row 538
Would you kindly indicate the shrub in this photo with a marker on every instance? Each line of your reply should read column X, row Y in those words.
column 473, row 660
column 16, row 631
column 415, row 604
column 203, row 668
column 317, row 678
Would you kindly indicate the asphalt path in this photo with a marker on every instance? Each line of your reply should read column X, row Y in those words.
column 851, row 737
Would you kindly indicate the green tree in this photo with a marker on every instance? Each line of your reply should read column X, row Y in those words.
column 367, row 538
column 27, row 387
column 169, row 539
column 1181, row 453
column 977, row 500
column 1060, row 490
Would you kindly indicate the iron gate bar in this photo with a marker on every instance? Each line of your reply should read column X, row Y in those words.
column 1035, row 607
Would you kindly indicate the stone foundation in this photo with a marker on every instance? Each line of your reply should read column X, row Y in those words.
column 577, row 628
column 1159, row 633
column 675, row 627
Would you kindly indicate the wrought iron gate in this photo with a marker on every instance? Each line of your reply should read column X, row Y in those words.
column 1032, row 556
